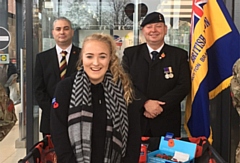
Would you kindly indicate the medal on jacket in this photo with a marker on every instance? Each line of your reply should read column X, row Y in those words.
column 168, row 72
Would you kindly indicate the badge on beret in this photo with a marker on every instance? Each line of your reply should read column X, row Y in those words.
column 160, row 18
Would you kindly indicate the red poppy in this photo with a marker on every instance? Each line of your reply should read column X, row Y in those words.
column 171, row 143
column 55, row 105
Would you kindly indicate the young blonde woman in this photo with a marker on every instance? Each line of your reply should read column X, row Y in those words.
column 92, row 118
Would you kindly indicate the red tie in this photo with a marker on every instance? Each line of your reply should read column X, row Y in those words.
column 63, row 65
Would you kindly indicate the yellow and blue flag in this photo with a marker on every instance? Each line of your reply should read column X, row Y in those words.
column 215, row 46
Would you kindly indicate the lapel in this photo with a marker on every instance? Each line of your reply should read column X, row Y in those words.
column 72, row 60
column 163, row 50
column 146, row 54
column 54, row 59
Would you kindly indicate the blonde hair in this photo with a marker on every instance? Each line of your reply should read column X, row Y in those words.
column 115, row 66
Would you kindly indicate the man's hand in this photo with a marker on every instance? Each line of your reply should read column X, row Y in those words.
column 153, row 108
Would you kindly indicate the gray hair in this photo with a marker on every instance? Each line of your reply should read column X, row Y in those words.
column 62, row 18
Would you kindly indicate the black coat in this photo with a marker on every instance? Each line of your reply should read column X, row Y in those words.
column 150, row 83
column 59, row 127
column 47, row 75
column 11, row 69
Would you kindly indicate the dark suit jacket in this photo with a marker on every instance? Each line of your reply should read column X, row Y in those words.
column 149, row 81
column 47, row 75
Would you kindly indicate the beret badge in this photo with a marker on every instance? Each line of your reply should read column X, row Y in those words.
column 160, row 18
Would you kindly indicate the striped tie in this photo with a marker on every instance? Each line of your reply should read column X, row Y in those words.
column 63, row 64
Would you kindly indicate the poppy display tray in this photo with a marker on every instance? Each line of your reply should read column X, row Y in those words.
column 172, row 147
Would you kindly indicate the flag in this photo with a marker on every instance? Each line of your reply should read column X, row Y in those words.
column 215, row 46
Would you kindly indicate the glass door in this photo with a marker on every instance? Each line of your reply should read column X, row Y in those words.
column 117, row 18
column 121, row 19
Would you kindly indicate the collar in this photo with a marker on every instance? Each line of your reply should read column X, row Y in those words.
column 68, row 49
column 151, row 49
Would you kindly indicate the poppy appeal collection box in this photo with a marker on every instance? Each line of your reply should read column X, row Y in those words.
column 172, row 151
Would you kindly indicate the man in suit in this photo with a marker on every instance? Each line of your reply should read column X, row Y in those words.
column 47, row 68
column 161, row 76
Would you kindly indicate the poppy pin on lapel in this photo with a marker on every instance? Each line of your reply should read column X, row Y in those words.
column 54, row 103
column 162, row 56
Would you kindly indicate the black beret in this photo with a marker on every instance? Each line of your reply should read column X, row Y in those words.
column 154, row 17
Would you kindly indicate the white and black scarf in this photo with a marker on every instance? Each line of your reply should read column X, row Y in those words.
column 81, row 114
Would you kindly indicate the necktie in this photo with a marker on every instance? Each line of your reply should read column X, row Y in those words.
column 63, row 65
column 154, row 55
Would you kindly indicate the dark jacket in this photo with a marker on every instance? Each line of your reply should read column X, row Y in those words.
column 150, row 82
column 11, row 69
column 46, row 77
column 59, row 127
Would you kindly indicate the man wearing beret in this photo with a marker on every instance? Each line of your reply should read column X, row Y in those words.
column 161, row 77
